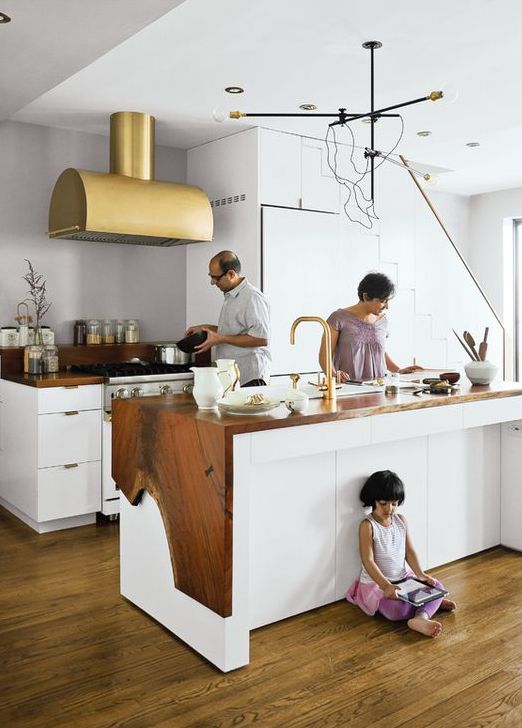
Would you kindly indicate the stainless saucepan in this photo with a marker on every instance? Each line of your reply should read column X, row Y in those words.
column 167, row 353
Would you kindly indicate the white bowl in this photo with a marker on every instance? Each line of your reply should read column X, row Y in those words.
column 480, row 372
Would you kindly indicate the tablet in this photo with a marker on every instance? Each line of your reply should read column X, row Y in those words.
column 417, row 592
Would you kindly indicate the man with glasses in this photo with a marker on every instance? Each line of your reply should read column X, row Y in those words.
column 243, row 329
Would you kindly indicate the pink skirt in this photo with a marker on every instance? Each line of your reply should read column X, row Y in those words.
column 367, row 595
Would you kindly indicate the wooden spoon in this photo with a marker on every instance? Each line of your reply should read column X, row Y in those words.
column 470, row 341
column 483, row 346
column 464, row 346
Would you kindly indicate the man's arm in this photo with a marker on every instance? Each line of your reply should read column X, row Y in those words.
column 200, row 327
column 243, row 340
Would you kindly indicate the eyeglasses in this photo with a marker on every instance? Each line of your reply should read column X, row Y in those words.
column 216, row 278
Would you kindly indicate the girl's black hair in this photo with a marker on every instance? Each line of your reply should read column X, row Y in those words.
column 376, row 285
column 383, row 485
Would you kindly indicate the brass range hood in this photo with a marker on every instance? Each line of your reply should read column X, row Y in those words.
column 128, row 205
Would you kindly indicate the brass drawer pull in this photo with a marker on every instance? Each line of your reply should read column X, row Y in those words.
column 71, row 386
column 70, row 465
column 72, row 412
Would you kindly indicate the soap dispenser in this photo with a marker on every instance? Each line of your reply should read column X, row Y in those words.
column 296, row 400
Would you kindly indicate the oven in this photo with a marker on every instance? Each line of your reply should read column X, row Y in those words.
column 123, row 381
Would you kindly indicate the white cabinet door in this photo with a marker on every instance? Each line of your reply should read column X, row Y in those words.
column 65, row 492
column 280, row 169
column 62, row 399
column 463, row 493
column 302, row 275
column 69, row 438
column 320, row 190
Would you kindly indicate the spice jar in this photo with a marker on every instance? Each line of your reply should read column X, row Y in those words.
column 50, row 359
column 93, row 332
column 132, row 331
column 119, row 331
column 33, row 359
column 80, row 332
column 107, row 332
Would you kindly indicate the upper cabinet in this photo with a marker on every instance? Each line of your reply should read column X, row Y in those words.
column 294, row 173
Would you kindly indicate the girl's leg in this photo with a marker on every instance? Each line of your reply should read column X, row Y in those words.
column 446, row 605
column 421, row 623
column 396, row 610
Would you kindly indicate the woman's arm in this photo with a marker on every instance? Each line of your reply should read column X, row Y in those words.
column 366, row 551
column 391, row 366
column 413, row 560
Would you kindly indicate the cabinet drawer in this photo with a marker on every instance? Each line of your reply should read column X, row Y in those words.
column 65, row 492
column 62, row 399
column 74, row 438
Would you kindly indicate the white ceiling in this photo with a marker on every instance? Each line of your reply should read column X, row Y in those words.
column 288, row 52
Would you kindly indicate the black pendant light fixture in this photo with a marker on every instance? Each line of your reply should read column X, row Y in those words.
column 373, row 157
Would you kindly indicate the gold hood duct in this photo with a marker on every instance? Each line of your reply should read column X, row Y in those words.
column 128, row 205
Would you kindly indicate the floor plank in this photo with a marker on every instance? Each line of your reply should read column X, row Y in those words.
column 75, row 653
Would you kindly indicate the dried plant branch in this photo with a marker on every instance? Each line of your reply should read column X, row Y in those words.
column 37, row 293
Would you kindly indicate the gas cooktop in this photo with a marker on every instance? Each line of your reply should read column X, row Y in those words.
column 130, row 370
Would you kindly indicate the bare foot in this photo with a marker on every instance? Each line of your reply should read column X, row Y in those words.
column 428, row 627
column 447, row 605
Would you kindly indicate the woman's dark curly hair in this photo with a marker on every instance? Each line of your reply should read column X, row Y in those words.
column 375, row 285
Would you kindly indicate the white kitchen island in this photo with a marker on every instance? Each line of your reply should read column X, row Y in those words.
column 281, row 537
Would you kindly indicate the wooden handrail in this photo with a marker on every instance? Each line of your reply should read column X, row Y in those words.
column 446, row 233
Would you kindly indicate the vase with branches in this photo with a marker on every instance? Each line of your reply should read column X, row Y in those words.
column 37, row 296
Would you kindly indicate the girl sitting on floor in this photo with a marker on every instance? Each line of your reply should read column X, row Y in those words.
column 386, row 553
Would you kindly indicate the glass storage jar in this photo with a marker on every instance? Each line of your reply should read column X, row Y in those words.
column 107, row 332
column 50, row 358
column 80, row 332
column 93, row 331
column 132, row 331
column 119, row 331
column 33, row 359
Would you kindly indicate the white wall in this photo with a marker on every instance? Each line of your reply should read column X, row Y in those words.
column 488, row 212
column 83, row 279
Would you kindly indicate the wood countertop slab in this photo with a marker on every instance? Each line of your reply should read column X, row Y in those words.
column 58, row 379
column 183, row 457
column 180, row 461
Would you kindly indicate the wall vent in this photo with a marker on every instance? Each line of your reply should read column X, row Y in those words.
column 227, row 200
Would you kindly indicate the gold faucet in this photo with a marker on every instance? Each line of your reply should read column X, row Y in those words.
column 329, row 392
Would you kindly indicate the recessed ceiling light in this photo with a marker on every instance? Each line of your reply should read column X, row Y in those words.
column 234, row 90
column 308, row 107
column 4, row 18
column 424, row 133
column 473, row 144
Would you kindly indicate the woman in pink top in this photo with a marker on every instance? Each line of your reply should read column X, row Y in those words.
column 359, row 334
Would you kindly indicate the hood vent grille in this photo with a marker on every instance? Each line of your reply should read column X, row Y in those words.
column 92, row 237
column 127, row 205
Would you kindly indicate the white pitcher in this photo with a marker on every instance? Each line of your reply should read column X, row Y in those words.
column 228, row 374
column 207, row 387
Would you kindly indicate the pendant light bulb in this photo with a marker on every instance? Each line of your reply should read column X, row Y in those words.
column 430, row 180
column 219, row 114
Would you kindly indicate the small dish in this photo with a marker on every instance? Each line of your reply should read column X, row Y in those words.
column 451, row 377
column 241, row 408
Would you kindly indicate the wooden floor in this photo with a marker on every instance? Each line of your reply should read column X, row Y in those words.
column 74, row 653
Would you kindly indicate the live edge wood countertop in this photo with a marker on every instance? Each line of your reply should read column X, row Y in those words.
column 183, row 457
